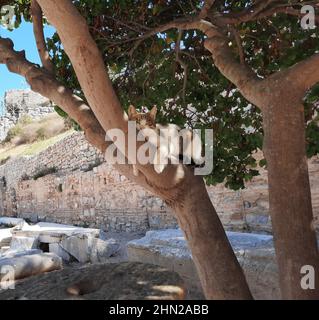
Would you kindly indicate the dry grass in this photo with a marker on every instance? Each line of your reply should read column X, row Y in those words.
column 27, row 131
column 11, row 151
column 29, row 137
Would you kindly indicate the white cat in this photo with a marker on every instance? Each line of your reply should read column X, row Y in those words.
column 172, row 145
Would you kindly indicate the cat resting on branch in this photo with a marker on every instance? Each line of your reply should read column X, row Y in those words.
column 170, row 143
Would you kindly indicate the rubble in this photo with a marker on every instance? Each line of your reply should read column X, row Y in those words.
column 69, row 242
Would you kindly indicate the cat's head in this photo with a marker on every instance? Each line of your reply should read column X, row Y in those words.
column 143, row 120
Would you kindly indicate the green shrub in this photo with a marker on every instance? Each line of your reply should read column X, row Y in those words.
column 29, row 131
column 13, row 132
column 25, row 119
column 41, row 134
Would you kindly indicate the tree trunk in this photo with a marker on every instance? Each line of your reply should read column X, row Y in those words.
column 289, row 193
column 173, row 185
column 218, row 268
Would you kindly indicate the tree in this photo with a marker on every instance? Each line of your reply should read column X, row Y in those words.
column 259, row 74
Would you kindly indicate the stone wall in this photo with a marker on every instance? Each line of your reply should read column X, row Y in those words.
column 86, row 191
column 22, row 102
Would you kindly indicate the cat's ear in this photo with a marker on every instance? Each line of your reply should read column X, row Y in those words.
column 153, row 113
column 131, row 111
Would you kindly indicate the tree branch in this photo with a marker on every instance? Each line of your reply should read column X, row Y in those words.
column 41, row 81
column 260, row 10
column 37, row 18
column 96, row 85
column 239, row 45
column 182, row 64
column 301, row 76
column 205, row 10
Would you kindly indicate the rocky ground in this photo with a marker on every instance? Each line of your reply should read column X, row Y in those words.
column 52, row 252
column 52, row 261
column 122, row 238
column 115, row 281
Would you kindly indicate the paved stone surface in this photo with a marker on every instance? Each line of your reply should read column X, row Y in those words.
column 124, row 281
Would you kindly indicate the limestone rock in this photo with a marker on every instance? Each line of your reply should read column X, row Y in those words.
column 78, row 247
column 18, row 253
column 59, row 251
column 102, row 250
column 19, row 103
column 169, row 249
column 53, row 232
column 11, row 222
column 24, row 243
column 87, row 249
column 29, row 265
column 3, row 250
column 5, row 237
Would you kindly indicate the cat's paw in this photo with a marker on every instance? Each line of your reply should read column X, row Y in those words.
column 198, row 160
column 159, row 168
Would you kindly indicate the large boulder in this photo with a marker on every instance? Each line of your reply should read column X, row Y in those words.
column 102, row 250
column 88, row 249
column 57, row 249
column 169, row 248
column 12, row 222
column 28, row 265
column 24, row 243
column 5, row 237
column 54, row 233
column 9, row 253
column 78, row 247
column 66, row 241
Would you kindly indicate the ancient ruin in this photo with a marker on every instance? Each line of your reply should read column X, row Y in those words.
column 18, row 103
column 85, row 212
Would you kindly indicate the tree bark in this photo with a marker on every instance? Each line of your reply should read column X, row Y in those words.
column 212, row 252
column 279, row 97
column 289, row 193
column 216, row 263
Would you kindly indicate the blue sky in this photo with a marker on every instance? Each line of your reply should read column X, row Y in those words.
column 23, row 39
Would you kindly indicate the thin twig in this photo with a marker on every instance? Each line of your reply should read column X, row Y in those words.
column 182, row 63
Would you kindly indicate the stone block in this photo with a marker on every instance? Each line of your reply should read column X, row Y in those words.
column 59, row 251
column 29, row 265
column 78, row 247
column 18, row 253
column 24, row 243
column 102, row 250
column 11, row 222
column 5, row 237
column 169, row 249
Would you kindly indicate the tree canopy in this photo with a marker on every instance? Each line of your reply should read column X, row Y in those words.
column 173, row 70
